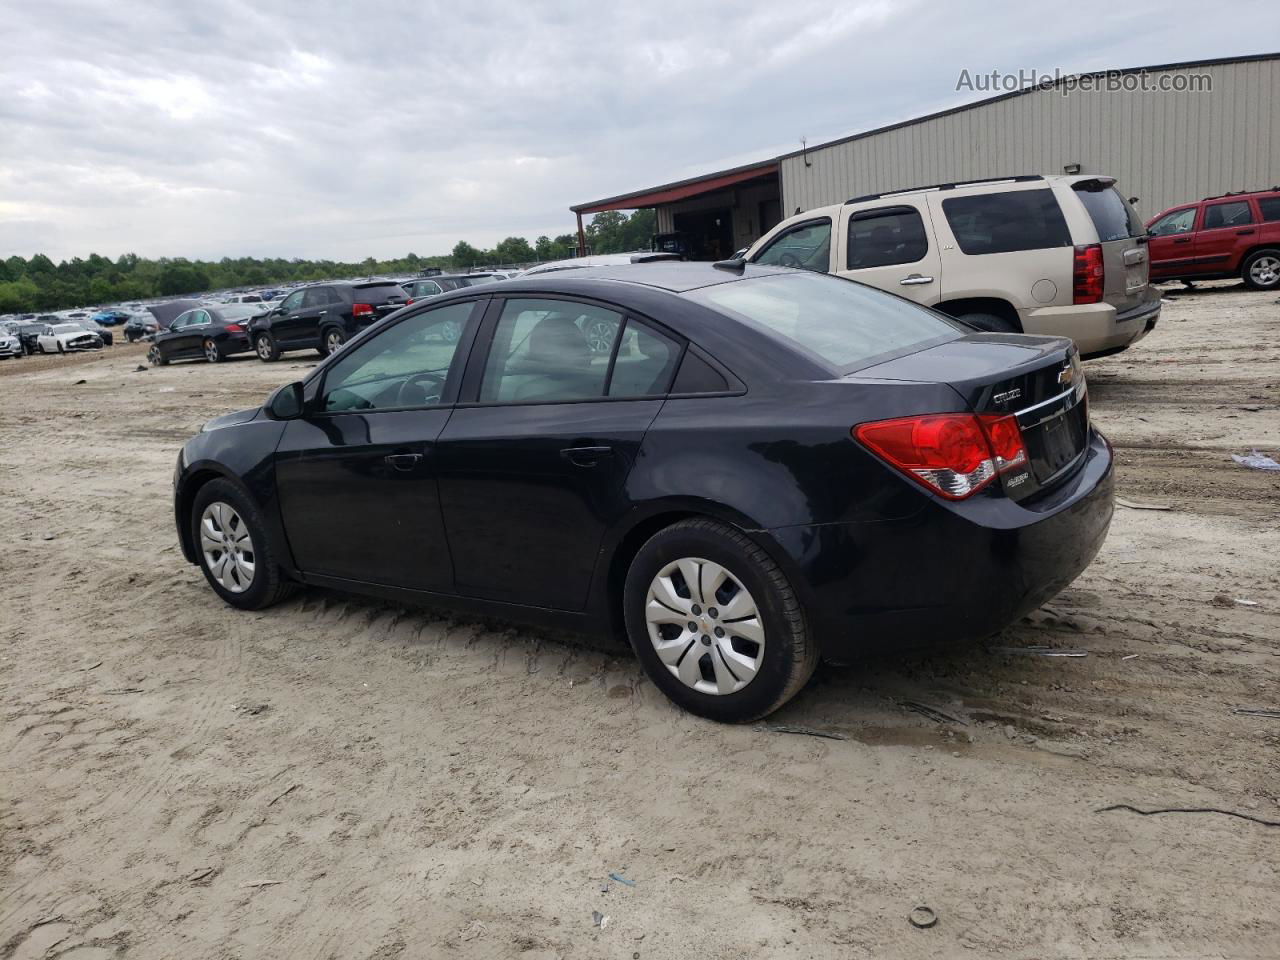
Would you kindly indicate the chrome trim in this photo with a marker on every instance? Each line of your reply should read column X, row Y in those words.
column 1068, row 399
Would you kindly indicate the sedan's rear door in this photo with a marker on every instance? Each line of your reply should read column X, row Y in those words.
column 533, row 470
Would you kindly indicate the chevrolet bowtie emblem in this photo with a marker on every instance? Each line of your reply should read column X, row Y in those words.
column 1066, row 375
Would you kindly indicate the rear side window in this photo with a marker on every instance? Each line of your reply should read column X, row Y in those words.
column 1111, row 214
column 842, row 324
column 377, row 293
column 1007, row 222
column 541, row 352
column 698, row 376
column 1234, row 214
column 879, row 238
column 1269, row 207
column 644, row 361
column 806, row 246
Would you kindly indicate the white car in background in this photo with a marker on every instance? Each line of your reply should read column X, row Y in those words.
column 10, row 345
column 67, row 338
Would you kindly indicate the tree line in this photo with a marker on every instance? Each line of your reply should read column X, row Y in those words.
column 39, row 284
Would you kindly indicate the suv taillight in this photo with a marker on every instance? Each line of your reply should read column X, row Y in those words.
column 1087, row 274
column 361, row 310
column 952, row 454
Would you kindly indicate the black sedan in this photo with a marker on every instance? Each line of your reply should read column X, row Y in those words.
column 766, row 468
column 206, row 333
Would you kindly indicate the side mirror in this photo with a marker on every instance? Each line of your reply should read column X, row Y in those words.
column 286, row 403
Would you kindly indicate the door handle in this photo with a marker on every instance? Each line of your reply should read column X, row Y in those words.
column 586, row 456
column 1182, row 240
column 914, row 280
column 403, row 461
column 1244, row 233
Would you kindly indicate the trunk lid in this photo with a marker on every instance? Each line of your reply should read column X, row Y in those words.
column 1037, row 379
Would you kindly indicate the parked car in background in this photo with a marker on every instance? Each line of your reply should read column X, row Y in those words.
column 67, row 338
column 140, row 326
column 206, row 333
column 243, row 298
column 29, row 334
column 444, row 283
column 157, row 317
column 323, row 316
column 90, row 327
column 109, row 318
column 10, row 345
column 1217, row 238
column 1059, row 255
column 771, row 467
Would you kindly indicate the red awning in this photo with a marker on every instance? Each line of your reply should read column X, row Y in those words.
column 680, row 190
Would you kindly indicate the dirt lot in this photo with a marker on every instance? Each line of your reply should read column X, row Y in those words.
column 340, row 778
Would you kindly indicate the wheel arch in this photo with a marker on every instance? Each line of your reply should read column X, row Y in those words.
column 194, row 479
column 993, row 305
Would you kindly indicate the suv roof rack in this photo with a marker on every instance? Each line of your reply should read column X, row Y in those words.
column 1244, row 193
column 1021, row 178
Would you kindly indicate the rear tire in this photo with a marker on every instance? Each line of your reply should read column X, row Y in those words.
column 264, row 585
column 775, row 668
column 211, row 352
column 266, row 348
column 331, row 339
column 1261, row 270
column 988, row 322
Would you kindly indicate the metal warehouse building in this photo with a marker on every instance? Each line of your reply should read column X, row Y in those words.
column 1167, row 133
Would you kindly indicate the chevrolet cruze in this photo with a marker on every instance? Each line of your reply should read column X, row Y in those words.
column 765, row 467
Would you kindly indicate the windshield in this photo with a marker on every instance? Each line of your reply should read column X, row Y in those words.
column 1111, row 214
column 842, row 324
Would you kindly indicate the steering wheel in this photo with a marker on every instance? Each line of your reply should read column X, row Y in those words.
column 788, row 260
column 420, row 389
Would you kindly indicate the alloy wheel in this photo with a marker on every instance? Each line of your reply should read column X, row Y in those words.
column 705, row 626
column 264, row 348
column 227, row 547
column 211, row 351
column 1265, row 271
column 451, row 330
column 153, row 356
column 600, row 334
column 332, row 341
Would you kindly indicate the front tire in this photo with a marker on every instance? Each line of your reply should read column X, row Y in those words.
column 156, row 357
column 234, row 552
column 266, row 348
column 1261, row 271
column 715, row 623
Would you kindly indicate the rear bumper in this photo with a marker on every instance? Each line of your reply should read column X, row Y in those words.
column 952, row 572
column 1096, row 327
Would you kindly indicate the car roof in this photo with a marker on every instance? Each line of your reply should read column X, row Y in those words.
column 670, row 275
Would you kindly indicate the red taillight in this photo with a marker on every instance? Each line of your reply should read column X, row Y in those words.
column 361, row 310
column 953, row 454
column 234, row 328
column 1087, row 275
column 409, row 302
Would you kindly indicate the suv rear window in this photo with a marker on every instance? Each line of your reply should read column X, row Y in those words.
column 376, row 293
column 1005, row 222
column 843, row 324
column 1111, row 214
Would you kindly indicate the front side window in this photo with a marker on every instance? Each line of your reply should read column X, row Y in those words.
column 1180, row 221
column 841, row 324
column 1235, row 214
column 293, row 301
column 879, row 238
column 807, row 246
column 316, row 297
column 541, row 352
column 406, row 365
column 1007, row 222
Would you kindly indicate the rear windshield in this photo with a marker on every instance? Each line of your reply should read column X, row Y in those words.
column 1111, row 214
column 376, row 293
column 842, row 324
column 1005, row 222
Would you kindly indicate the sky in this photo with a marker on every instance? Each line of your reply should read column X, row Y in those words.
column 329, row 129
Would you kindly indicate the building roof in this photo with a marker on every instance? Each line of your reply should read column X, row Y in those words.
column 682, row 189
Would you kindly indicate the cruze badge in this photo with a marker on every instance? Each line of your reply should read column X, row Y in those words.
column 1007, row 396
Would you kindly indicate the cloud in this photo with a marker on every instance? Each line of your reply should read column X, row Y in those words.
column 332, row 129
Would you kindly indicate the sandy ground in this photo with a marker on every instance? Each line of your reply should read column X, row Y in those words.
column 339, row 778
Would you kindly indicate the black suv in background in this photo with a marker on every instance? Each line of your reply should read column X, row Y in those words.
column 324, row 316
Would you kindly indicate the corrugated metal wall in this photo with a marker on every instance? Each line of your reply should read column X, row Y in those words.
column 1164, row 148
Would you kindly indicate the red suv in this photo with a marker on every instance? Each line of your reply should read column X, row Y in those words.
column 1235, row 235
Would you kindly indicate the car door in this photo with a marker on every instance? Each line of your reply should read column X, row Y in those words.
column 356, row 475
column 286, row 324
column 171, row 341
column 1171, row 243
column 1227, row 229
column 533, row 468
column 193, row 334
column 889, row 247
